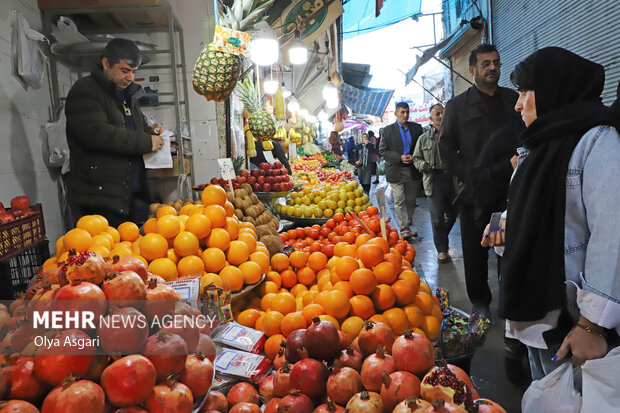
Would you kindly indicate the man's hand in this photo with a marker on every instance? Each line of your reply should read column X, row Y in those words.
column 405, row 158
column 158, row 142
column 495, row 238
column 513, row 161
column 583, row 345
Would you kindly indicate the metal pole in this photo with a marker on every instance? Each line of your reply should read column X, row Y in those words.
column 175, row 89
column 449, row 68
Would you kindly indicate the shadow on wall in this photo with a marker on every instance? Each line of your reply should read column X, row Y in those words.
column 21, row 154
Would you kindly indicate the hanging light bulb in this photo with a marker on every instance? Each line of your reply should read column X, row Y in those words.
column 264, row 47
column 286, row 93
column 311, row 118
column 297, row 52
column 323, row 117
column 270, row 86
column 330, row 92
column 293, row 105
column 303, row 113
column 332, row 103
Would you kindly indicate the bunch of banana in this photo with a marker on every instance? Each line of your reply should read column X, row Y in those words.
column 267, row 145
column 250, row 141
column 295, row 136
column 280, row 133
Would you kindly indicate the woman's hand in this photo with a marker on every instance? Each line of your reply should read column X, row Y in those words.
column 496, row 238
column 582, row 344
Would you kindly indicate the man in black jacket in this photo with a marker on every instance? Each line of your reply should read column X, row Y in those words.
column 396, row 146
column 469, row 119
column 107, row 136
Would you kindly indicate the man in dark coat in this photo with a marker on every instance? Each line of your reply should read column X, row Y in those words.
column 396, row 147
column 469, row 119
column 107, row 136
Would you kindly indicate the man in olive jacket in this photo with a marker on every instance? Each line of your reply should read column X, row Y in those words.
column 107, row 136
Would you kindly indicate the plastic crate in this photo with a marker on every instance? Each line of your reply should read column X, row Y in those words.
column 17, row 271
column 21, row 234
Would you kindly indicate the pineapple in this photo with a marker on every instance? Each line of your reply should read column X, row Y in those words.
column 215, row 73
column 261, row 123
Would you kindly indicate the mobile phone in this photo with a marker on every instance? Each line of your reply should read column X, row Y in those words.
column 494, row 222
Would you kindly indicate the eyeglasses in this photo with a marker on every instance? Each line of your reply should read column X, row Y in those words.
column 488, row 63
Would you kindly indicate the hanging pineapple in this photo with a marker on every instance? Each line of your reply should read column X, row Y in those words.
column 261, row 123
column 215, row 73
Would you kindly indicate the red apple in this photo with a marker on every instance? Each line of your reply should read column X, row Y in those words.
column 252, row 180
column 270, row 180
column 242, row 179
column 236, row 185
column 264, row 166
column 221, row 182
column 260, row 180
column 276, row 187
column 213, row 181
column 5, row 217
column 256, row 187
column 277, row 165
column 244, row 173
column 266, row 187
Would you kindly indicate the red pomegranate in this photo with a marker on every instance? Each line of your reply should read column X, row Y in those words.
column 322, row 340
column 441, row 383
column 442, row 406
column 397, row 387
column 24, row 384
column 82, row 297
column 42, row 299
column 132, row 409
column 265, row 388
column 344, row 340
column 186, row 329
column 167, row 352
column 411, row 405
column 4, row 381
column 343, row 383
column 279, row 360
column 85, row 266
column 197, row 374
column 242, row 392
column 309, row 376
column 487, row 406
column 124, row 289
column 329, row 407
column 170, row 397
column 129, row 380
column 373, row 368
column 374, row 335
column 414, row 353
column 355, row 345
column 75, row 397
column 294, row 344
column 366, row 402
column 215, row 401
column 462, row 375
column 23, row 335
column 55, row 363
column 160, row 300
column 17, row 406
column 128, row 263
column 295, row 402
column 96, row 368
column 123, row 331
column 244, row 407
column 272, row 406
column 282, row 381
column 350, row 358
column 206, row 347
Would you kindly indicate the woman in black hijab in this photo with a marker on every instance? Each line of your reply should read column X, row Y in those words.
column 560, row 282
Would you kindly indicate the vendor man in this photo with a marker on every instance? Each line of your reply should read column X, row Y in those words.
column 107, row 136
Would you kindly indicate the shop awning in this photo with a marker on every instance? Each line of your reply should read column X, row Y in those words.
column 360, row 15
column 367, row 101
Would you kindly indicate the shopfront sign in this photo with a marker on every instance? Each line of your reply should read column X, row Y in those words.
column 315, row 15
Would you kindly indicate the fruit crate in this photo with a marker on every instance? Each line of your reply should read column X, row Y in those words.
column 22, row 234
column 17, row 271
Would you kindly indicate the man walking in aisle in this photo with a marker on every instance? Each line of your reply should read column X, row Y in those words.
column 396, row 146
column 469, row 119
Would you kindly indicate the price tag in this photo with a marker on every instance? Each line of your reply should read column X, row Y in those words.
column 227, row 170
column 269, row 156
column 292, row 151
column 189, row 289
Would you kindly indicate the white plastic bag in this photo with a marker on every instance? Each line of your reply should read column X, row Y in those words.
column 54, row 143
column 28, row 59
column 162, row 158
column 601, row 383
column 554, row 393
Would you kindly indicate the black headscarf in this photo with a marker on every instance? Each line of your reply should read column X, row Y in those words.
column 567, row 93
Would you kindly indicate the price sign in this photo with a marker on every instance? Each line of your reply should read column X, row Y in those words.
column 292, row 151
column 269, row 156
column 227, row 170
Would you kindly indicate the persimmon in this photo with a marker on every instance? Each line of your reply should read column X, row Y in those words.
column 404, row 291
column 385, row 272
column 361, row 306
column 383, row 297
column 345, row 266
column 363, row 281
column 317, row 261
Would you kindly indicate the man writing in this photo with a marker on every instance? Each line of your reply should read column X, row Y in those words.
column 469, row 119
column 107, row 136
column 396, row 146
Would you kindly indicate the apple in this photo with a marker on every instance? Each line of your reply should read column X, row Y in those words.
column 20, row 202
column 251, row 180
column 236, row 185
column 255, row 172
column 270, row 180
column 264, row 166
column 256, row 187
column 221, row 182
column 17, row 213
column 276, row 187
column 234, row 180
column 213, row 181
column 260, row 180
column 277, row 165
column 284, row 171
column 244, row 173
column 287, row 178
column 266, row 187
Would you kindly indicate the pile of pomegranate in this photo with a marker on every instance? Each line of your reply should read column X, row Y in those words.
column 144, row 369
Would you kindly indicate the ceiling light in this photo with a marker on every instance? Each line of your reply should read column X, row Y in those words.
column 264, row 48
column 286, row 93
column 323, row 117
column 293, row 105
column 271, row 86
column 297, row 52
column 303, row 113
column 311, row 118
column 330, row 92
column 332, row 103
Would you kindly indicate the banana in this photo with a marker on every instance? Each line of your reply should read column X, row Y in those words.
column 250, row 142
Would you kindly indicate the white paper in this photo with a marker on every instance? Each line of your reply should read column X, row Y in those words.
column 292, row 151
column 269, row 156
column 189, row 289
column 227, row 170
column 162, row 158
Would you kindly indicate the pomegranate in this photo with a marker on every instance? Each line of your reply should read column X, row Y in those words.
column 487, row 406
column 206, row 347
column 442, row 406
column 20, row 202
column 42, row 299
column 242, row 392
column 309, row 376
column 412, row 405
column 17, row 406
column 294, row 344
column 397, row 387
column 23, row 335
column 374, row 335
column 75, row 397
column 295, row 402
column 350, row 358
column 160, row 300
column 322, row 340
column 124, row 289
column 366, row 402
column 132, row 409
column 129, row 380
column 272, row 406
column 462, row 375
column 280, row 359
column 96, row 368
column 344, row 340
column 413, row 353
column 170, row 397
column 85, row 266
column 123, row 331
column 80, row 296
column 128, row 263
column 373, row 368
column 441, row 383
column 185, row 329
column 4, row 381
column 54, row 364
column 244, row 407
column 24, row 384
column 197, row 374
column 282, row 381
column 167, row 352
column 265, row 388
column 215, row 401
column 329, row 407
column 343, row 383
column 355, row 345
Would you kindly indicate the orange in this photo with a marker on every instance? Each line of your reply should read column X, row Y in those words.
column 370, row 254
column 261, row 259
column 425, row 288
column 414, row 315
column 383, row 297
column 404, row 291
column 232, row 277
column 436, row 312
column 185, row 209
column 331, row 319
column 398, row 320
column 265, row 302
column 60, row 246
column 121, row 251
column 191, row 265
column 271, row 322
column 230, row 209
column 261, row 247
column 322, row 281
column 412, row 277
column 298, row 259
column 251, row 272
column 306, row 275
column 259, row 324
column 237, row 252
column 218, row 238
column 361, row 306
column 312, row 310
column 327, row 286
column 395, row 260
column 169, row 226
column 349, row 238
column 92, row 224
column 279, row 262
column 116, row 237
column 97, row 249
column 208, row 279
column 172, row 255
column 232, row 227
column 102, row 240
column 385, row 246
column 216, row 214
column 214, row 259
column 249, row 239
column 248, row 317
column 317, row 261
column 153, row 246
column 77, row 239
column 199, row 225
column 196, row 209
column 298, row 289
column 150, row 226
column 213, row 194
column 166, row 210
column 345, row 267
column 352, row 327
column 345, row 287
column 308, row 298
column 362, row 239
column 289, row 278
column 268, row 287
column 274, row 277
column 431, row 327
column 385, row 272
column 424, row 302
column 272, row 345
column 333, row 277
column 336, row 303
column 380, row 318
column 363, row 281
column 49, row 263
column 247, row 228
column 165, row 268
column 419, row 331
column 291, row 322
column 186, row 243
column 339, row 248
column 284, row 303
